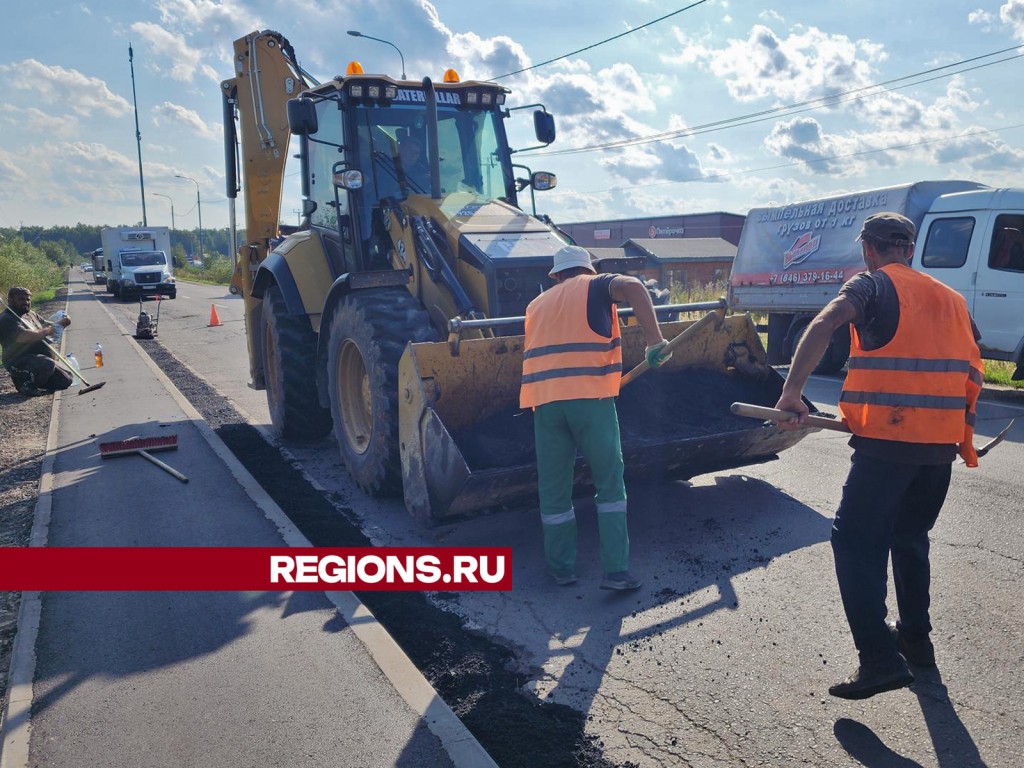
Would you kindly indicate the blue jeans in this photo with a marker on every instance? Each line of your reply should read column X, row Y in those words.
column 887, row 508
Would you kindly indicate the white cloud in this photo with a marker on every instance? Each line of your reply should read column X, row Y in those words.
column 10, row 175
column 184, row 60
column 980, row 16
column 169, row 112
column 69, row 88
column 1012, row 14
column 85, row 9
column 39, row 123
column 803, row 139
column 806, row 64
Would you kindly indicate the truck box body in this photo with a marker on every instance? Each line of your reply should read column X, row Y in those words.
column 795, row 257
column 138, row 261
column 792, row 260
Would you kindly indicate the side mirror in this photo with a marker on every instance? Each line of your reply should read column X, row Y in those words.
column 302, row 117
column 308, row 207
column 543, row 126
column 543, row 181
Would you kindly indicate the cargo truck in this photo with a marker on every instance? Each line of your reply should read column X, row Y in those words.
column 792, row 260
column 99, row 267
column 138, row 261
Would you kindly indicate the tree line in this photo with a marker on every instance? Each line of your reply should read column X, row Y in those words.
column 82, row 239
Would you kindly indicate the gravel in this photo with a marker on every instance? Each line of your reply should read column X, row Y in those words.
column 26, row 422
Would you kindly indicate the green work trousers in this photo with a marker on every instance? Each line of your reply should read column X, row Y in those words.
column 592, row 427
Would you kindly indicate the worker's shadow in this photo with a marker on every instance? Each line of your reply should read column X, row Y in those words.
column 705, row 537
column 953, row 745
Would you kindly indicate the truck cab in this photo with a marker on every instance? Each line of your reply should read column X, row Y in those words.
column 137, row 262
column 974, row 243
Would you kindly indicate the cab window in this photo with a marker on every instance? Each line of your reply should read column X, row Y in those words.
column 947, row 243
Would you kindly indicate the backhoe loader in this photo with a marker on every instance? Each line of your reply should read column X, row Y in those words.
column 393, row 312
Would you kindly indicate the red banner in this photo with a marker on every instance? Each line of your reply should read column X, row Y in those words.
column 255, row 568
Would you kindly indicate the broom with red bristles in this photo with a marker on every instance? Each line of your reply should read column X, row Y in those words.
column 143, row 446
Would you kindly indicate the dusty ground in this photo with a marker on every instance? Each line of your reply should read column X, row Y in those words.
column 24, row 423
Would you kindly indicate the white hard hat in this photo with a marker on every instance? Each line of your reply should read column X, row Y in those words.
column 571, row 256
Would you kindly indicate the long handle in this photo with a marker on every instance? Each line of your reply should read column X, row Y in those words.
column 773, row 414
column 166, row 468
column 73, row 369
column 717, row 316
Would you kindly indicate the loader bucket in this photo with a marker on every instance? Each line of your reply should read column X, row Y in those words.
column 466, row 446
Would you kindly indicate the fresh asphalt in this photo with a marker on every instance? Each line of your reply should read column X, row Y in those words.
column 193, row 678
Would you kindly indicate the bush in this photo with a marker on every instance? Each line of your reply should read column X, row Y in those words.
column 25, row 265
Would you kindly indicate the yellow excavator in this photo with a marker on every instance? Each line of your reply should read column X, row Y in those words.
column 393, row 312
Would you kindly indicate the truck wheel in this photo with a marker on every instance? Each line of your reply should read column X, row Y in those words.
column 836, row 354
column 368, row 335
column 289, row 362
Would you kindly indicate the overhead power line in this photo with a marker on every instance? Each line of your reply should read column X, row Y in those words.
column 601, row 42
column 854, row 94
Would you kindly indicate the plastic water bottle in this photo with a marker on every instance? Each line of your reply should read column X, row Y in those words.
column 58, row 329
column 99, row 355
column 75, row 365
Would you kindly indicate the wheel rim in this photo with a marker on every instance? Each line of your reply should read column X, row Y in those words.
column 354, row 397
column 270, row 376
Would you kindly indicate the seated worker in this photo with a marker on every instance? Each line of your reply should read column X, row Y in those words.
column 1008, row 250
column 413, row 171
column 32, row 364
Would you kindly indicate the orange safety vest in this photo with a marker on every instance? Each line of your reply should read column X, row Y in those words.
column 923, row 386
column 563, row 359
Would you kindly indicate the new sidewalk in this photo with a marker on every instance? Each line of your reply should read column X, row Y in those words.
column 202, row 678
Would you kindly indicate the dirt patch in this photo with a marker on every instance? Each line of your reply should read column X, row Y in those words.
column 25, row 422
column 477, row 677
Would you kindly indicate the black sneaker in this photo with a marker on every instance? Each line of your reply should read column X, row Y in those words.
column 919, row 652
column 622, row 580
column 867, row 682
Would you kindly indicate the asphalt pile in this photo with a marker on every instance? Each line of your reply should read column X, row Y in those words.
column 656, row 407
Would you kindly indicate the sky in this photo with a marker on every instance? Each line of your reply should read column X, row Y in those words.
column 698, row 107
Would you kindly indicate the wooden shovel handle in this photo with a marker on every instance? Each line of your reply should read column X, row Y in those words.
column 773, row 414
column 716, row 316
column 164, row 467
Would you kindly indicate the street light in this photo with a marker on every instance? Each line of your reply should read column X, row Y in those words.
column 158, row 194
column 199, row 207
column 354, row 33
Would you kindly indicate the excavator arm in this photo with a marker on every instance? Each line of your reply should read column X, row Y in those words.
column 256, row 137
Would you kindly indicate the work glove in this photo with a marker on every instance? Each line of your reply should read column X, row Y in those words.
column 656, row 356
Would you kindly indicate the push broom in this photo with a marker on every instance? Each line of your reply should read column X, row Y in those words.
column 143, row 446
column 86, row 386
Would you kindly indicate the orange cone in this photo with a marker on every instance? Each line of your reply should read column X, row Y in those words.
column 214, row 320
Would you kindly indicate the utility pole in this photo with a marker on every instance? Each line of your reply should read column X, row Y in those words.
column 138, row 135
column 199, row 207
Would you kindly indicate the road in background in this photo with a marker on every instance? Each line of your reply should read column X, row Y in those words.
column 725, row 655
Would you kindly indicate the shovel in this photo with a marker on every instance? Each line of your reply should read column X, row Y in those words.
column 715, row 317
column 773, row 414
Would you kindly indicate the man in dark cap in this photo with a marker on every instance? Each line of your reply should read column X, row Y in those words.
column 26, row 356
column 909, row 399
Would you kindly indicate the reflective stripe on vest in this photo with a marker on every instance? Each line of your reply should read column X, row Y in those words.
column 563, row 358
column 922, row 386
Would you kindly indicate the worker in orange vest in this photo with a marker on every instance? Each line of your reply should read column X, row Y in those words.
column 572, row 365
column 909, row 399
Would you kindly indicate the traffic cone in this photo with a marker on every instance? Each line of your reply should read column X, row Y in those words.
column 214, row 320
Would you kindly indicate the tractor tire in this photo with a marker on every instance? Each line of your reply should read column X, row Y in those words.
column 289, row 363
column 368, row 334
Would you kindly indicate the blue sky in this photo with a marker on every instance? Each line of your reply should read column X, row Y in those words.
column 67, row 134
